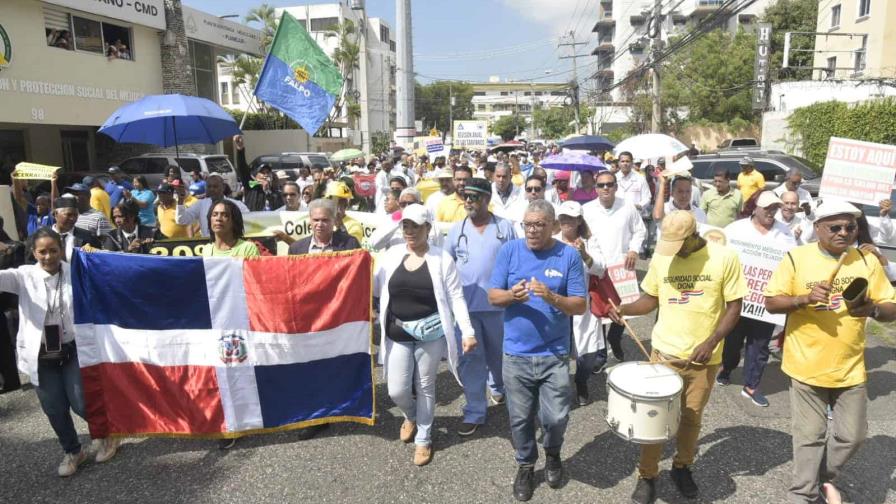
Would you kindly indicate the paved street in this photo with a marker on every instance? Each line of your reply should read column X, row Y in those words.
column 744, row 456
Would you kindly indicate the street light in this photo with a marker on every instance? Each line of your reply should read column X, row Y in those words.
column 228, row 16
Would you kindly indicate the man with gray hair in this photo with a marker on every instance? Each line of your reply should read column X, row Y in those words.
column 504, row 193
column 792, row 183
column 324, row 235
column 540, row 282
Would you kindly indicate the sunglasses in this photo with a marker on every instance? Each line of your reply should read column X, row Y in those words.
column 472, row 197
column 533, row 189
column 605, row 185
column 836, row 228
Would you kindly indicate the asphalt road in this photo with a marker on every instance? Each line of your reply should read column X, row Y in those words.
column 744, row 456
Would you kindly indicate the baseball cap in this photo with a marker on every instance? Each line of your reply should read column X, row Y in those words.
column 443, row 173
column 416, row 213
column 570, row 208
column 479, row 185
column 78, row 187
column 88, row 181
column 767, row 199
column 832, row 206
column 165, row 187
column 561, row 175
column 114, row 169
column 676, row 227
column 746, row 161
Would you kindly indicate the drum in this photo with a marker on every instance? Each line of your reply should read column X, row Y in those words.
column 644, row 402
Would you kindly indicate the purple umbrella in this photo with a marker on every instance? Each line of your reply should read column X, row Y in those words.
column 573, row 161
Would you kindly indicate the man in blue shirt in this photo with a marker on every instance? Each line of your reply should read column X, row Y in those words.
column 116, row 185
column 474, row 244
column 541, row 283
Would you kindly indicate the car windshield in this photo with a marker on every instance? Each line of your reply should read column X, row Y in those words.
column 318, row 161
column 809, row 169
column 218, row 165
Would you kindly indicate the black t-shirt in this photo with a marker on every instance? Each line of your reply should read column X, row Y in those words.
column 411, row 297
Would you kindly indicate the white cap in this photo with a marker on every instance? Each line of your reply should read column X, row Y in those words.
column 281, row 174
column 570, row 208
column 767, row 199
column 416, row 213
column 831, row 207
column 440, row 174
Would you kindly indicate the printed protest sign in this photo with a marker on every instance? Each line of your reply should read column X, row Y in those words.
column 470, row 135
column 34, row 171
column 759, row 260
column 625, row 281
column 861, row 172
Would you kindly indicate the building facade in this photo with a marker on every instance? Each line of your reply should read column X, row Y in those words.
column 69, row 64
column 859, row 41
column 495, row 99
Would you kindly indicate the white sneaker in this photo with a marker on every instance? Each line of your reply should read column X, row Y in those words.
column 106, row 449
column 70, row 463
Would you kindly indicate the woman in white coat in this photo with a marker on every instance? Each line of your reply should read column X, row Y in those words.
column 586, row 328
column 46, row 343
column 421, row 298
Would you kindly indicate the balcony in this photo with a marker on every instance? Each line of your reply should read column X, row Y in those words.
column 603, row 47
column 638, row 19
column 705, row 7
column 603, row 25
column 604, row 73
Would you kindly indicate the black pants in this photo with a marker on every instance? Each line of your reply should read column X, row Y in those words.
column 9, row 375
column 614, row 339
column 757, row 335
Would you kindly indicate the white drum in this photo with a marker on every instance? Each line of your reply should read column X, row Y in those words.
column 644, row 402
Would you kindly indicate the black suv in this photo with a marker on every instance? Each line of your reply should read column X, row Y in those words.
column 773, row 165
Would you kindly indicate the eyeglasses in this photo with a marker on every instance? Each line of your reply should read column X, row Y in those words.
column 605, row 185
column 538, row 226
column 472, row 197
column 836, row 228
column 533, row 189
column 403, row 204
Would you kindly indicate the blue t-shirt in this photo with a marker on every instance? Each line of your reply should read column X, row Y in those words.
column 475, row 253
column 197, row 188
column 147, row 214
column 535, row 327
column 115, row 190
column 36, row 221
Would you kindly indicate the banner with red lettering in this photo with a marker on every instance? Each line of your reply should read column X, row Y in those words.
column 759, row 260
column 861, row 172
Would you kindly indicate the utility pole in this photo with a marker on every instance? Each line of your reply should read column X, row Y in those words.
column 575, row 76
column 656, row 118
column 404, row 130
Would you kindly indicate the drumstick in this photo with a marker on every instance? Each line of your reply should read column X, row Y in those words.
column 630, row 332
column 837, row 267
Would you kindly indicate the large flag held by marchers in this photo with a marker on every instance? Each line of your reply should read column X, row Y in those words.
column 298, row 78
column 211, row 347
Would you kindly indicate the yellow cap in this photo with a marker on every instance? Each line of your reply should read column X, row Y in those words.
column 338, row 190
column 677, row 226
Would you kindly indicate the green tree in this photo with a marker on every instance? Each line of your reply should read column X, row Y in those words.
column 265, row 16
column 711, row 79
column 347, row 56
column 792, row 16
column 432, row 103
column 508, row 126
column 554, row 122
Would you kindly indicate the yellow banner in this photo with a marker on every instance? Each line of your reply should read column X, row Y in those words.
column 33, row 171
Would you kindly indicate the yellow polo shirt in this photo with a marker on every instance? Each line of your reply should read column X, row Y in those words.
column 99, row 200
column 451, row 209
column 823, row 345
column 750, row 183
column 692, row 293
column 169, row 227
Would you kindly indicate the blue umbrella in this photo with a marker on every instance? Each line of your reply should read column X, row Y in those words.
column 573, row 161
column 588, row 143
column 167, row 120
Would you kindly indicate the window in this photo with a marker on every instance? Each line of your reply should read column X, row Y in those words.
column 864, row 8
column 117, row 41
column 235, row 92
column 503, row 93
column 225, row 94
column 324, row 24
column 392, row 45
column 538, row 93
column 860, row 56
column 203, row 64
column 831, row 68
column 527, row 93
column 835, row 16
column 558, row 93
column 187, row 165
column 318, row 161
column 478, row 93
column 58, row 29
column 384, row 34
column 218, row 165
column 480, row 107
column 134, row 166
column 88, row 35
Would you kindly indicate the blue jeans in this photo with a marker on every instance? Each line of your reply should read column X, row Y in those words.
column 537, row 385
column 476, row 367
column 585, row 365
column 60, row 392
column 413, row 367
column 757, row 334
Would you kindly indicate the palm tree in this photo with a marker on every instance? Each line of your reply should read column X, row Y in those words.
column 266, row 16
column 347, row 56
column 245, row 70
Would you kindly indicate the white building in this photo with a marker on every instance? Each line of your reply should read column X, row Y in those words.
column 495, row 99
column 373, row 83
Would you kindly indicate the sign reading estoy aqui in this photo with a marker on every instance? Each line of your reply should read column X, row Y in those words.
column 759, row 260
column 861, row 172
column 470, row 135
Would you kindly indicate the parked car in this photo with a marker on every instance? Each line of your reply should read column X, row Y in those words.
column 738, row 144
column 773, row 165
column 290, row 161
column 153, row 167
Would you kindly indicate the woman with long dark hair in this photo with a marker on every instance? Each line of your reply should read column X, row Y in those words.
column 225, row 226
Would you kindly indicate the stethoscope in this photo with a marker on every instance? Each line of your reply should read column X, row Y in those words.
column 462, row 251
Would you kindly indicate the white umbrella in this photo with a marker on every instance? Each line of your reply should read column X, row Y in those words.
column 650, row 146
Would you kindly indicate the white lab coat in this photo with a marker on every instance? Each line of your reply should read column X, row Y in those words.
column 449, row 299
column 587, row 332
column 28, row 282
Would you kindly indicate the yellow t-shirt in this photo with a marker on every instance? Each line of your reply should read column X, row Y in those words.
column 427, row 186
column 692, row 293
column 750, row 183
column 823, row 345
column 451, row 209
column 168, row 226
column 354, row 228
column 99, row 200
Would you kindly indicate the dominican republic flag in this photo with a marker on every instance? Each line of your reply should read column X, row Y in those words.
column 210, row 347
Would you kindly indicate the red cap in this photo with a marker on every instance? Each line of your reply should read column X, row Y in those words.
column 561, row 175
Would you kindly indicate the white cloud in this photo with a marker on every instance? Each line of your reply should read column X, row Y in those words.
column 557, row 14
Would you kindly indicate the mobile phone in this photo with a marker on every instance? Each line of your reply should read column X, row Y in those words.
column 53, row 337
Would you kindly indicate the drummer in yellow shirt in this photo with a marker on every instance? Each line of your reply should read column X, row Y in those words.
column 451, row 208
column 824, row 346
column 749, row 180
column 697, row 286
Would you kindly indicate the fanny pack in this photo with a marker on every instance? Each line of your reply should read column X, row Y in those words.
column 425, row 329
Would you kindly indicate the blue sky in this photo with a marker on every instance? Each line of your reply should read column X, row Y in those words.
column 473, row 39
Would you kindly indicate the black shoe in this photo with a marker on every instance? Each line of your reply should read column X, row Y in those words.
column 582, row 394
column 467, row 429
column 682, row 478
column 645, row 491
column 553, row 471
column 524, row 484
column 309, row 432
